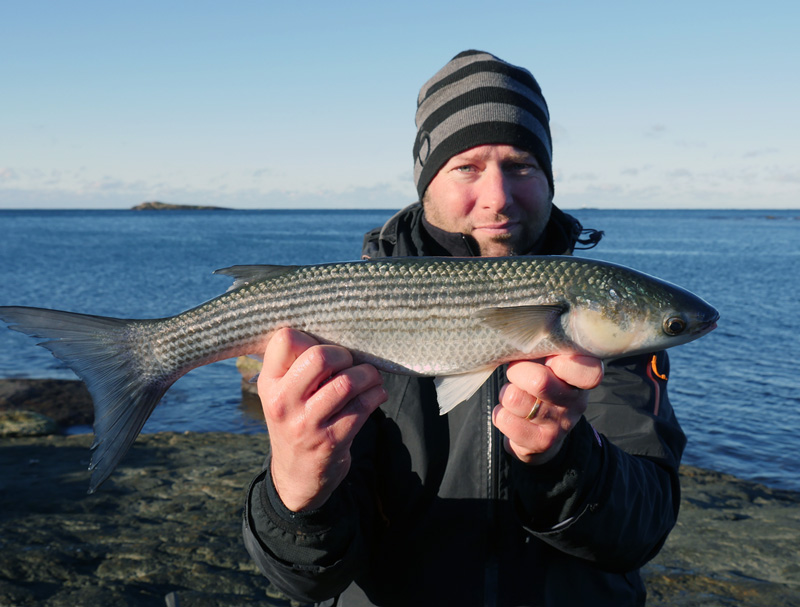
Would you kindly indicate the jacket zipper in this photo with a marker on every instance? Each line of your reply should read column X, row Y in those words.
column 492, row 571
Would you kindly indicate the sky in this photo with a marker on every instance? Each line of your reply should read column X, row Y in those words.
column 266, row 104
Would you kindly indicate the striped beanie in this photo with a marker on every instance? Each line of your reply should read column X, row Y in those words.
column 478, row 99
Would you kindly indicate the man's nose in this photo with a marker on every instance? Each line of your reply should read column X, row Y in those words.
column 495, row 192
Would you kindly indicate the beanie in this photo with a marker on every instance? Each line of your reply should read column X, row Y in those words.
column 478, row 99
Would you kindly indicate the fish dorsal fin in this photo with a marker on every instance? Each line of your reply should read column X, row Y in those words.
column 452, row 390
column 523, row 326
column 244, row 275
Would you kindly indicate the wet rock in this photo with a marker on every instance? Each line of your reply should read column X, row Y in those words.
column 26, row 423
column 248, row 367
column 168, row 521
column 167, row 527
column 68, row 402
column 736, row 543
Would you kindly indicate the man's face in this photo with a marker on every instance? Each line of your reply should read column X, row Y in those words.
column 497, row 194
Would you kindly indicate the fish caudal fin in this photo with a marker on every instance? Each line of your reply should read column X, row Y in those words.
column 103, row 353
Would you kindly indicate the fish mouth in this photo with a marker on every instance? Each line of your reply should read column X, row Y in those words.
column 706, row 325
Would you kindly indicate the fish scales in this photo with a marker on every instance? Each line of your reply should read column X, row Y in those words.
column 366, row 311
column 324, row 303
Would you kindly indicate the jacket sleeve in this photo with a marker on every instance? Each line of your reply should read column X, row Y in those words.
column 312, row 556
column 612, row 495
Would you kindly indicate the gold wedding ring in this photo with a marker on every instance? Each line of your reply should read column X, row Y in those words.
column 535, row 409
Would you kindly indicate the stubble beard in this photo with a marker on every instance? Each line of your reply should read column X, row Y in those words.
column 498, row 246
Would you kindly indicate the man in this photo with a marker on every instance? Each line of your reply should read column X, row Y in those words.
column 552, row 485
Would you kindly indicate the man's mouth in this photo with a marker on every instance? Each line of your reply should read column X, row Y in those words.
column 497, row 228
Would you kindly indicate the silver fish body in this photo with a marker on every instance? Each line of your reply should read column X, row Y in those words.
column 455, row 319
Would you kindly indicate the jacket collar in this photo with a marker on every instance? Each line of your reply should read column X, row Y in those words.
column 407, row 233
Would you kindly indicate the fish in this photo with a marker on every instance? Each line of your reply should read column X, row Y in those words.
column 454, row 319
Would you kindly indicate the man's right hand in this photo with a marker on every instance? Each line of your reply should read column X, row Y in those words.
column 315, row 402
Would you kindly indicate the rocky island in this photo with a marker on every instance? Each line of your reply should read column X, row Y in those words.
column 166, row 206
column 165, row 529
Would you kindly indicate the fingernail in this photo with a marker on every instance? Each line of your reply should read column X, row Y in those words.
column 502, row 391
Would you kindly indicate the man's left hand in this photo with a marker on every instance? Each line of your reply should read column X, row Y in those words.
column 534, row 434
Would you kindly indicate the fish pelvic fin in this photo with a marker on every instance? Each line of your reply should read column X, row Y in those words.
column 102, row 352
column 522, row 326
column 452, row 390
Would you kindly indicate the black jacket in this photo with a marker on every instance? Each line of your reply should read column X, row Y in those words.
column 435, row 512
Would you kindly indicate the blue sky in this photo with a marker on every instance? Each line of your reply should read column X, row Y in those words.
column 311, row 104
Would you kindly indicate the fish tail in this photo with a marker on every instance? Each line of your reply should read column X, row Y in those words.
column 108, row 355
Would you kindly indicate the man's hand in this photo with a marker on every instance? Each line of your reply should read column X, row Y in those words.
column 315, row 402
column 534, row 434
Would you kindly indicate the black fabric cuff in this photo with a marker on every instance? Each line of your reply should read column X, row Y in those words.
column 314, row 538
column 308, row 521
column 550, row 494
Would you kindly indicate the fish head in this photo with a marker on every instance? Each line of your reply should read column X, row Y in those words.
column 623, row 312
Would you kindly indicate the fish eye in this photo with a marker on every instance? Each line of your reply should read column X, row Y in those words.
column 674, row 325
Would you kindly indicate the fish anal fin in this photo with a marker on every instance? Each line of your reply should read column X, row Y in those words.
column 523, row 326
column 244, row 275
column 452, row 390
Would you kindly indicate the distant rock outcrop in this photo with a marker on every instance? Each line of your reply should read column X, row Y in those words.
column 166, row 206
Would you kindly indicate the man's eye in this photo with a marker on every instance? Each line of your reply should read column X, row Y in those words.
column 466, row 168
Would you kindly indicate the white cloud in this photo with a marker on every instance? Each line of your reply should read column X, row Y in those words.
column 636, row 171
column 262, row 172
column 785, row 175
column 680, row 174
column 656, row 130
column 758, row 153
column 584, row 176
column 689, row 144
column 7, row 174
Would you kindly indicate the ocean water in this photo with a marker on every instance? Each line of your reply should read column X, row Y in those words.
column 736, row 391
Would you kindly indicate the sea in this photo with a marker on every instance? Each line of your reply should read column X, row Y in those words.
column 735, row 391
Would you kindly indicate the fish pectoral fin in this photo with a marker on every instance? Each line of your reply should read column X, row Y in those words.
column 523, row 326
column 452, row 390
column 244, row 275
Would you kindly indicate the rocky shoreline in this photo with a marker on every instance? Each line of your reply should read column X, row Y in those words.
column 165, row 529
